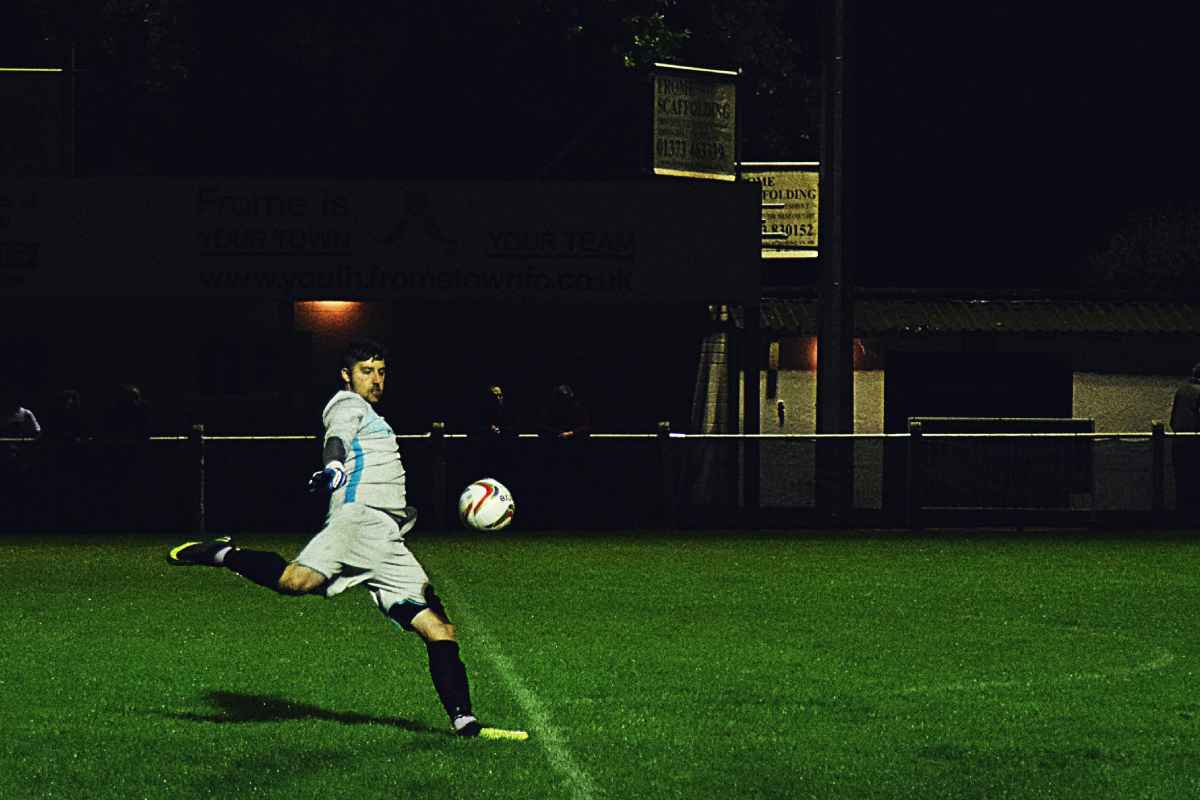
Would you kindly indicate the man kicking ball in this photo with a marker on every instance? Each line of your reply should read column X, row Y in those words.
column 363, row 538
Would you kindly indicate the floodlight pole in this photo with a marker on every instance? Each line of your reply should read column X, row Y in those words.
column 835, row 352
column 72, row 133
column 750, row 356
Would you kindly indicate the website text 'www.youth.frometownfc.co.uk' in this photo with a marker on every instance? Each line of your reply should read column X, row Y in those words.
column 346, row 277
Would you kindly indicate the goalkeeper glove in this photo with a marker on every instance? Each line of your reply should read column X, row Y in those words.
column 331, row 478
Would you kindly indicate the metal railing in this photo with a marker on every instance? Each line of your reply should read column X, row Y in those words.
column 203, row 481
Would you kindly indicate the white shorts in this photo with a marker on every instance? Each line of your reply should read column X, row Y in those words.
column 360, row 544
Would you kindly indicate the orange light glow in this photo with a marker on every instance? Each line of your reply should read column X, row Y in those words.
column 329, row 316
column 810, row 348
column 331, row 306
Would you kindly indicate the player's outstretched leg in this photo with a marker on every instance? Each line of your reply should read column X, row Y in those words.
column 206, row 553
column 258, row 566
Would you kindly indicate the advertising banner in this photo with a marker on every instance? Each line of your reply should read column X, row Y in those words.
column 594, row 242
column 790, row 206
column 695, row 122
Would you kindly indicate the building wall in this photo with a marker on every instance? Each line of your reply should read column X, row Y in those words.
column 1117, row 402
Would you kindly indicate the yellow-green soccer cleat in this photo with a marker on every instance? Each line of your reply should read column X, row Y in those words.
column 192, row 554
column 500, row 733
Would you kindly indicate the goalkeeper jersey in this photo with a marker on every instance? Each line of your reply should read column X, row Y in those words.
column 374, row 472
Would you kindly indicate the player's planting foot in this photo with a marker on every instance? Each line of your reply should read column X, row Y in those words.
column 191, row 554
column 466, row 726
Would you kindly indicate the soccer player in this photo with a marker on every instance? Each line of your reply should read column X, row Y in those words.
column 363, row 538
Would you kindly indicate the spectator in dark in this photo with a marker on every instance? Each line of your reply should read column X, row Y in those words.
column 566, row 418
column 16, row 422
column 124, row 450
column 565, row 427
column 128, row 416
column 498, row 438
column 1185, row 451
column 493, row 415
column 64, row 454
column 64, row 417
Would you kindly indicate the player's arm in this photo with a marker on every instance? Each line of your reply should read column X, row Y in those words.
column 335, row 450
column 333, row 475
column 342, row 420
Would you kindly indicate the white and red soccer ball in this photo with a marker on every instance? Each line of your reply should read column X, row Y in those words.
column 486, row 505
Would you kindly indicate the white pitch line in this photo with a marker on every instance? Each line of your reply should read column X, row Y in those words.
column 1162, row 659
column 547, row 735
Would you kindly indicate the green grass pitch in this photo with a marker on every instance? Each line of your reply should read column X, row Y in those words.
column 643, row 665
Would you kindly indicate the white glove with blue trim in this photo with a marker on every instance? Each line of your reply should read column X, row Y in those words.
column 330, row 479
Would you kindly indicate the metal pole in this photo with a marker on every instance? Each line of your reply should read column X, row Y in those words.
column 666, row 467
column 72, row 126
column 437, row 444
column 751, row 404
column 733, row 411
column 835, row 353
column 914, row 477
column 1158, row 475
column 197, row 444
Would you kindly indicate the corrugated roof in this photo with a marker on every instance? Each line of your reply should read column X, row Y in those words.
column 892, row 316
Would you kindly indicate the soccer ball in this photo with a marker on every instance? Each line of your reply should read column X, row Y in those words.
column 486, row 505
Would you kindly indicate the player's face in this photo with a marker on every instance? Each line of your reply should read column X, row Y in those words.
column 366, row 379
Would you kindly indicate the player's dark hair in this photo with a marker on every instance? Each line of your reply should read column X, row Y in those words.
column 363, row 350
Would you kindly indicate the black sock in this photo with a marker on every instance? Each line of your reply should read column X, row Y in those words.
column 449, row 677
column 264, row 568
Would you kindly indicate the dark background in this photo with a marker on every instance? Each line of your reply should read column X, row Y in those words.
column 995, row 145
column 1007, row 144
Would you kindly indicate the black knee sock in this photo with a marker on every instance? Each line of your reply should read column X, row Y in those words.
column 449, row 677
column 262, row 567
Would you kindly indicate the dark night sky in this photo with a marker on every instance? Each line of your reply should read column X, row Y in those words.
column 994, row 145
column 999, row 144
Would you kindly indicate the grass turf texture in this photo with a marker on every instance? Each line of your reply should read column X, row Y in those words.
column 655, row 666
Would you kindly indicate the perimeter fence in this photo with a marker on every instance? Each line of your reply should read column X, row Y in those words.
column 206, row 482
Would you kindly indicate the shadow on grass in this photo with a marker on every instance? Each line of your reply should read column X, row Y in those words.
column 247, row 708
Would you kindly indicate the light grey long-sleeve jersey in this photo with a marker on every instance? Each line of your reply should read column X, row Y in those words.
column 375, row 474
